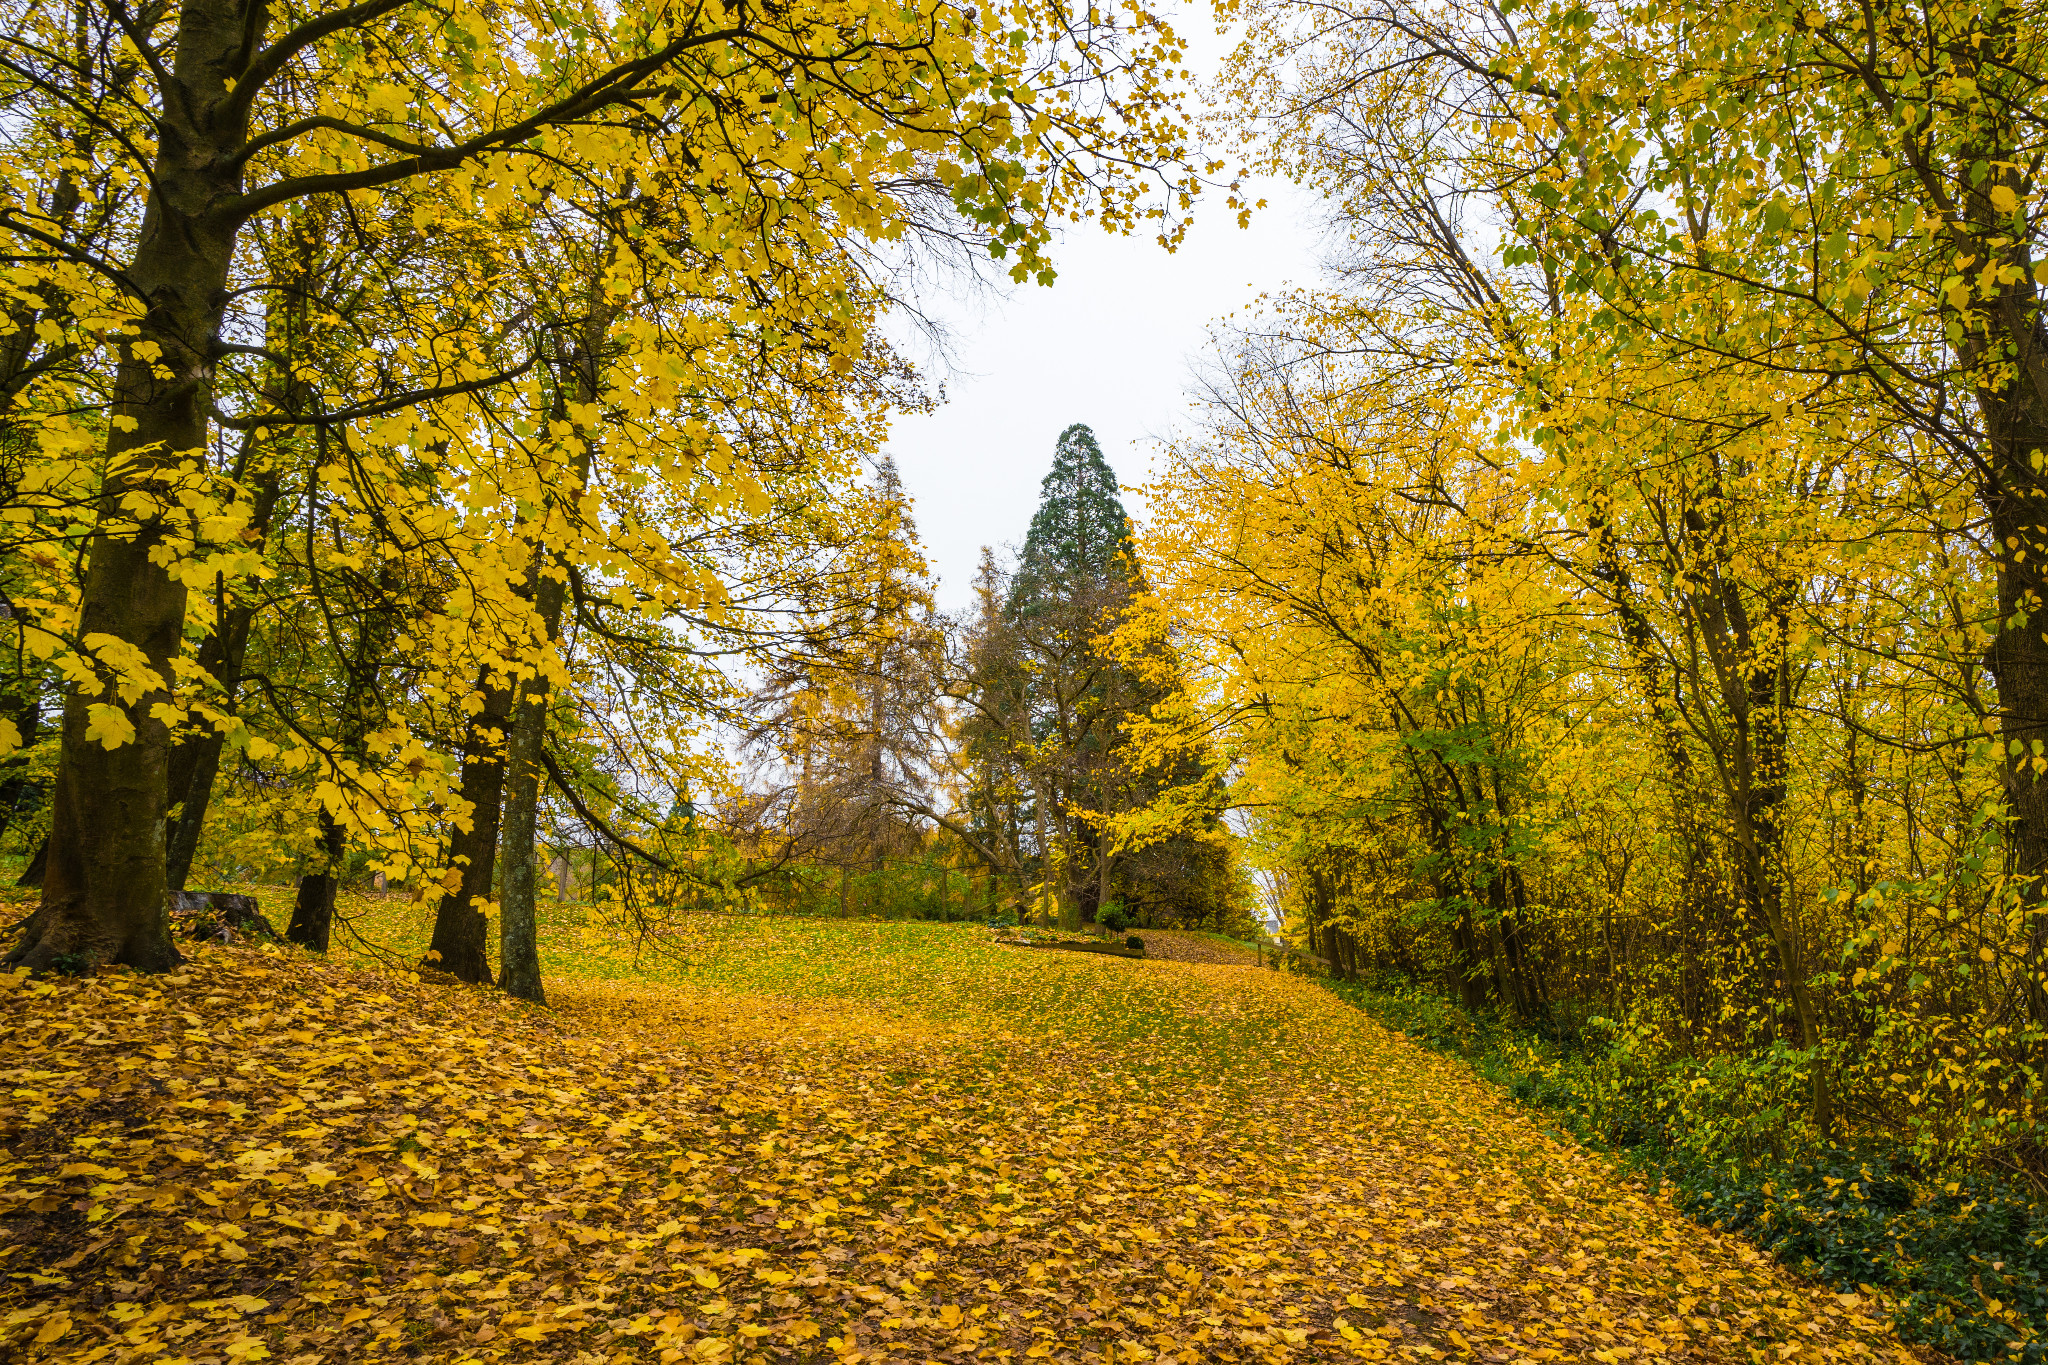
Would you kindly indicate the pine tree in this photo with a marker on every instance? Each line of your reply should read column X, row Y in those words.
column 1075, row 577
column 1080, row 537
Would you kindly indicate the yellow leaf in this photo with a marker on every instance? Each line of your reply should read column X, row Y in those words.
column 53, row 1329
column 432, row 1220
column 107, row 725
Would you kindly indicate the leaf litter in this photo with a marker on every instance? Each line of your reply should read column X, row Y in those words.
column 820, row 1143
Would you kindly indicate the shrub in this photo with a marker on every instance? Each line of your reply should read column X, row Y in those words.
column 1114, row 917
column 1133, row 941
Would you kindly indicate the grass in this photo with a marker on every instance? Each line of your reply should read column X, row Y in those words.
column 907, row 965
column 793, row 1142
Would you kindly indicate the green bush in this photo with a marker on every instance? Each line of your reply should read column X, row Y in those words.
column 1133, row 941
column 1114, row 917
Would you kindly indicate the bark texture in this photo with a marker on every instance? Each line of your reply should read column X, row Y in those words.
column 461, row 942
column 518, row 920
column 103, row 888
column 313, row 911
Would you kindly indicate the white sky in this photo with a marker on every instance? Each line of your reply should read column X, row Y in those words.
column 1115, row 343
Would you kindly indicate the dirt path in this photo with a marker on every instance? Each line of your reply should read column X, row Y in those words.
column 1177, row 945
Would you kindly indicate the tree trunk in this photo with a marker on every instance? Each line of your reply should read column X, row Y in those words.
column 460, row 942
column 518, row 926
column 313, row 912
column 1760, row 769
column 2016, row 497
column 38, row 862
column 518, row 916
column 17, row 790
column 103, row 891
column 1102, row 860
column 1471, row 961
column 377, row 627
column 1524, row 971
column 195, row 760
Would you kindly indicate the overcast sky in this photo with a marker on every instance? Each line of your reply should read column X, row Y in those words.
column 1114, row 343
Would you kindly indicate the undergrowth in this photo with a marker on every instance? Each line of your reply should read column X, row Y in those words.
column 1962, row 1256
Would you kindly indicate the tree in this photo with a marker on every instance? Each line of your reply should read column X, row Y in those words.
column 769, row 142
column 1050, row 699
column 850, row 710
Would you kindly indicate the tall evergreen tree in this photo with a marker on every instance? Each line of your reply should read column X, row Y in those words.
column 1080, row 537
column 1041, row 757
column 1074, row 579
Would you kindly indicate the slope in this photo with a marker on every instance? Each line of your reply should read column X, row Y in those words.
column 816, row 1142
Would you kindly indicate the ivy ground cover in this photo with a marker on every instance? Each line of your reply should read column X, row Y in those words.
column 817, row 1141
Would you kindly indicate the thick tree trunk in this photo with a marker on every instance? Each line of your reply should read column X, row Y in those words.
column 313, row 912
column 460, row 944
column 2016, row 497
column 103, row 890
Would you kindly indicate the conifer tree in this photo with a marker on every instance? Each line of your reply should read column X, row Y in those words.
column 1053, row 698
column 1080, row 538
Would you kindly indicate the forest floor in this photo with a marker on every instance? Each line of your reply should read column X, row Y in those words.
column 818, row 1141
column 1183, row 945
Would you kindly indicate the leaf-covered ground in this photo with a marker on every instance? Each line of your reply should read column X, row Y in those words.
column 1182, row 945
column 816, row 1142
